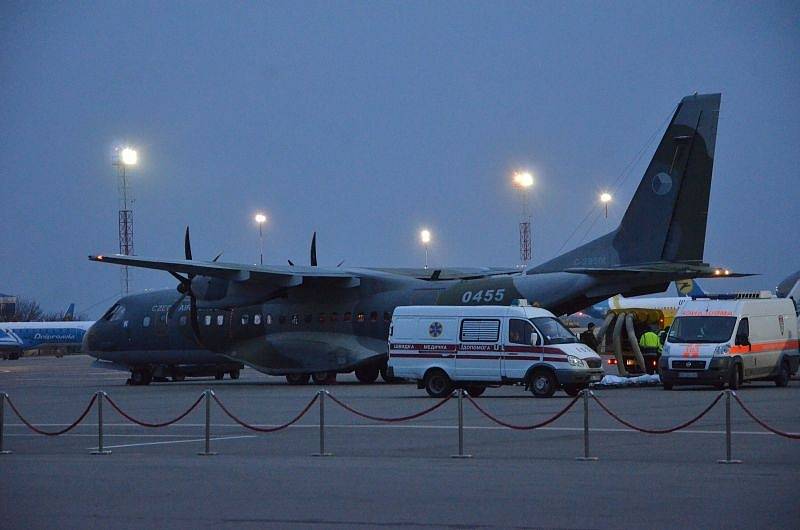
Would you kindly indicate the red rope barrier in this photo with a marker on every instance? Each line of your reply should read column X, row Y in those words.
column 523, row 427
column 657, row 431
column 265, row 429
column 773, row 430
column 52, row 433
column 153, row 425
column 389, row 420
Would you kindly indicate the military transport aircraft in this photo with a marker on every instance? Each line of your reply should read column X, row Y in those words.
column 314, row 321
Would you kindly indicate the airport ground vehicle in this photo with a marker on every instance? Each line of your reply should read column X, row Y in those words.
column 442, row 347
column 725, row 340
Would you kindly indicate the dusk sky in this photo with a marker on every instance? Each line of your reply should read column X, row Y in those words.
column 369, row 121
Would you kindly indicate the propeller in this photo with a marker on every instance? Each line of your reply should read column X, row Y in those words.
column 313, row 257
column 185, row 288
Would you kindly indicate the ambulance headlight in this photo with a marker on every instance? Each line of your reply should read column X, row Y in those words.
column 576, row 362
column 722, row 349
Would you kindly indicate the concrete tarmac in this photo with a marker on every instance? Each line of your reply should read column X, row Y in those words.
column 398, row 475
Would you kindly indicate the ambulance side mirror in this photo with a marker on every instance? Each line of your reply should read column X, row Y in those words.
column 534, row 338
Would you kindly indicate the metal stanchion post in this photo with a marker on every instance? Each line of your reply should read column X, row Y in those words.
column 100, row 450
column 586, row 393
column 322, row 452
column 208, row 451
column 3, row 397
column 728, row 459
column 460, row 426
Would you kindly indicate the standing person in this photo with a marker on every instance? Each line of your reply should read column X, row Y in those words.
column 588, row 338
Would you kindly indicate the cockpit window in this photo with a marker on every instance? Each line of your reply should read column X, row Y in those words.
column 117, row 312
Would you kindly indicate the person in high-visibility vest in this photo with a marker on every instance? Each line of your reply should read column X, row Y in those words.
column 649, row 342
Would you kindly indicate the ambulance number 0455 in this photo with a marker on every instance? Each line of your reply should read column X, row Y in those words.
column 489, row 295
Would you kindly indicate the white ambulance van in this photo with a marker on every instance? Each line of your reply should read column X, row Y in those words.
column 730, row 339
column 446, row 347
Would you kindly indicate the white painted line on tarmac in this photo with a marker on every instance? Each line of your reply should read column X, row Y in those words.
column 174, row 442
column 412, row 426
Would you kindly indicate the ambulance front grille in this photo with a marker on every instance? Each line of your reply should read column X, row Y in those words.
column 594, row 363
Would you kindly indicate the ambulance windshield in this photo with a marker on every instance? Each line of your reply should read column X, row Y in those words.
column 691, row 330
column 553, row 331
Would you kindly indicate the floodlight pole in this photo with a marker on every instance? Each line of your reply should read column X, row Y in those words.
column 125, row 221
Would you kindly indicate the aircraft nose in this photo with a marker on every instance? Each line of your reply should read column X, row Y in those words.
column 89, row 340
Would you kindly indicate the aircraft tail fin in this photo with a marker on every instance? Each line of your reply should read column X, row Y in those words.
column 666, row 219
column 689, row 288
column 69, row 314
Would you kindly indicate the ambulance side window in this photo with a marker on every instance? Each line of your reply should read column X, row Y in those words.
column 742, row 336
column 519, row 331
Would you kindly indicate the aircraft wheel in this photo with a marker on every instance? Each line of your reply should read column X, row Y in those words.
column 178, row 378
column 386, row 378
column 297, row 379
column 367, row 374
column 475, row 390
column 234, row 373
column 543, row 384
column 141, row 377
column 324, row 378
column 219, row 376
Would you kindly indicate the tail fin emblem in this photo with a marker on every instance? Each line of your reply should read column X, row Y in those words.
column 662, row 183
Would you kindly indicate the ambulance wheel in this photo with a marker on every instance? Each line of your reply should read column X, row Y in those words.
column 297, row 379
column 782, row 379
column 234, row 373
column 324, row 378
column 437, row 384
column 734, row 377
column 543, row 384
column 572, row 390
column 475, row 390
column 367, row 374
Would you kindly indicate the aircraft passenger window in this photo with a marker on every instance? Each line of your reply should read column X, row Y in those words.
column 360, row 317
column 387, row 316
column 295, row 320
column 373, row 317
column 207, row 320
column 245, row 319
column 220, row 320
column 347, row 316
column 182, row 321
column 334, row 317
column 146, row 322
column 322, row 318
column 269, row 319
column 257, row 319
column 519, row 331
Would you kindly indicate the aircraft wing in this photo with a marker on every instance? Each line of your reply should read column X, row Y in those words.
column 269, row 274
column 670, row 270
column 449, row 273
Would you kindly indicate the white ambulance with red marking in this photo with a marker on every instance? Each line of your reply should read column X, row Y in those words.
column 446, row 347
column 728, row 339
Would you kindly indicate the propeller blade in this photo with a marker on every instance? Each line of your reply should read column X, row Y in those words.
column 314, row 250
column 179, row 277
column 174, row 306
column 340, row 263
column 217, row 257
column 187, row 245
column 290, row 262
column 195, row 323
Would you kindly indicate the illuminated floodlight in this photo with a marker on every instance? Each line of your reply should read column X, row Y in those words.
column 260, row 218
column 425, row 236
column 605, row 197
column 523, row 179
column 129, row 156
